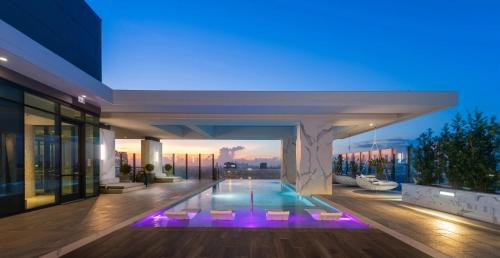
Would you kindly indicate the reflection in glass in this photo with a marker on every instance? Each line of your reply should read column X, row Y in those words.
column 39, row 102
column 92, row 159
column 11, row 161
column 70, row 113
column 70, row 159
column 40, row 158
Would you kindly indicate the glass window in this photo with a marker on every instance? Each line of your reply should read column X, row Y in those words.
column 70, row 160
column 11, row 158
column 10, row 91
column 71, row 113
column 38, row 102
column 41, row 144
column 91, row 119
column 92, row 159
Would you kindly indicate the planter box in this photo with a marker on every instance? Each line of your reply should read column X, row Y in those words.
column 474, row 205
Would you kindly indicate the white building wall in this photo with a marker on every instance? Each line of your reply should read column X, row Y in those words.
column 151, row 154
column 107, row 157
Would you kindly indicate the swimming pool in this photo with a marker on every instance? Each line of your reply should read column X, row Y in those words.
column 250, row 199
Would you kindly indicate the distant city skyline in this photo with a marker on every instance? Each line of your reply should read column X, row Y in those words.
column 321, row 45
column 245, row 151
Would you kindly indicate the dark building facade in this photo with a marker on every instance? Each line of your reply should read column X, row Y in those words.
column 49, row 141
column 70, row 29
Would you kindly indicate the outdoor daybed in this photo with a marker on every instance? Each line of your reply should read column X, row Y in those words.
column 345, row 180
column 370, row 182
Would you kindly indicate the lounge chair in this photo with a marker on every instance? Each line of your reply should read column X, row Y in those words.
column 222, row 214
column 320, row 214
column 185, row 214
column 277, row 215
column 370, row 182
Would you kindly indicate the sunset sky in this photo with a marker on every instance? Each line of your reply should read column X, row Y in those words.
column 252, row 149
column 307, row 45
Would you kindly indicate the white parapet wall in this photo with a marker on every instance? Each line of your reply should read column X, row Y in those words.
column 475, row 205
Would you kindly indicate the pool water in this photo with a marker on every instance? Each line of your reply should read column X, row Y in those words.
column 250, row 199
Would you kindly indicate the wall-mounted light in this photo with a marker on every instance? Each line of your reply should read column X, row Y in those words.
column 371, row 124
column 81, row 99
column 445, row 193
column 103, row 152
column 4, row 59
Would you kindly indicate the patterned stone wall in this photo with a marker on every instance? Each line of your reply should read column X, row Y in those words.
column 107, row 159
column 475, row 205
column 288, row 161
column 314, row 157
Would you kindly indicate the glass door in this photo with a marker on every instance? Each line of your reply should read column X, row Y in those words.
column 70, row 162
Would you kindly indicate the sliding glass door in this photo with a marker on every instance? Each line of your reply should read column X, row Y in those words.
column 70, row 161
column 41, row 164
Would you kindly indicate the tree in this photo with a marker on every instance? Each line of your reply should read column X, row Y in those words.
column 354, row 168
column 424, row 159
column 454, row 149
column 379, row 164
column 466, row 151
column 482, row 145
column 338, row 164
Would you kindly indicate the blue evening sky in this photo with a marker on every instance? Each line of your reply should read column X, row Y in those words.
column 308, row 45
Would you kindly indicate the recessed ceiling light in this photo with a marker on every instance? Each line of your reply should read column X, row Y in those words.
column 3, row 59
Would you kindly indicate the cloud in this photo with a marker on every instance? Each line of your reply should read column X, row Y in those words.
column 227, row 154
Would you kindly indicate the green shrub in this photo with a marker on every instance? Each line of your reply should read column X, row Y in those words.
column 149, row 167
column 424, row 159
column 125, row 169
column 168, row 169
column 466, row 151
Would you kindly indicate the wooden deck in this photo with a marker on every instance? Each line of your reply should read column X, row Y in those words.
column 449, row 234
column 39, row 232
column 217, row 242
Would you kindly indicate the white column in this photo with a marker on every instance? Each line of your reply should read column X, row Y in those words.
column 288, row 162
column 151, row 154
column 107, row 157
column 314, row 157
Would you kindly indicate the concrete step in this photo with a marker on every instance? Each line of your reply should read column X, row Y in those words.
column 168, row 179
column 120, row 188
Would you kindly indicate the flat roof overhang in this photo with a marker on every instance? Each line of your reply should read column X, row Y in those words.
column 29, row 58
column 261, row 114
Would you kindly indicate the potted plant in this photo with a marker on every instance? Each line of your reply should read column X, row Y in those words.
column 168, row 170
column 148, row 169
column 125, row 170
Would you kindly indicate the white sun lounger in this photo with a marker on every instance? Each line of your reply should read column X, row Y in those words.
column 277, row 215
column 222, row 214
column 320, row 214
column 185, row 214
